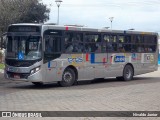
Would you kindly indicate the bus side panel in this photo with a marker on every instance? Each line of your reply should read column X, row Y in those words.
column 146, row 62
column 77, row 61
column 99, row 65
column 50, row 71
column 115, row 64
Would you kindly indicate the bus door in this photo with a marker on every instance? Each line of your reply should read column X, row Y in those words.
column 52, row 41
column 114, row 60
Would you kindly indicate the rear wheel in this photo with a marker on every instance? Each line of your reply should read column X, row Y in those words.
column 68, row 78
column 128, row 73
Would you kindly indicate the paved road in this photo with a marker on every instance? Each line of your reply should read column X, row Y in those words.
column 140, row 94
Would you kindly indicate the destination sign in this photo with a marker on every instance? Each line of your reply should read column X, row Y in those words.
column 24, row 29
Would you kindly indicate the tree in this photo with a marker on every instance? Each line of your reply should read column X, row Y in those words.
column 21, row 11
column 37, row 12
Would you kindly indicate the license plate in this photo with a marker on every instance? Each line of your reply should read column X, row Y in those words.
column 16, row 76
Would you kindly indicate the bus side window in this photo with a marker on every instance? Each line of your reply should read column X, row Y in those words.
column 127, row 39
column 92, row 42
column 152, row 48
column 73, row 42
column 121, row 39
column 48, row 44
column 106, row 38
column 69, row 47
column 139, row 39
column 108, row 43
column 140, row 48
column 113, row 43
column 87, row 48
column 105, row 42
column 121, row 44
column 127, row 47
column 121, row 47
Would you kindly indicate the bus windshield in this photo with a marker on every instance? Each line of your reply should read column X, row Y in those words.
column 24, row 47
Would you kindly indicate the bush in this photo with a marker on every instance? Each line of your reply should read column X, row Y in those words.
column 2, row 66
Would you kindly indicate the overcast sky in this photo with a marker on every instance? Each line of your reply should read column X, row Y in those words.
column 138, row 14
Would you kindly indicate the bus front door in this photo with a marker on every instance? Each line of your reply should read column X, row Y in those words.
column 51, row 54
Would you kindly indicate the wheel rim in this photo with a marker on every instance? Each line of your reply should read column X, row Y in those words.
column 128, row 73
column 67, row 77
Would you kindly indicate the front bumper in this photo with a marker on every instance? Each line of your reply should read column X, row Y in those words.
column 36, row 77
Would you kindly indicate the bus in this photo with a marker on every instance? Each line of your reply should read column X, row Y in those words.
column 43, row 53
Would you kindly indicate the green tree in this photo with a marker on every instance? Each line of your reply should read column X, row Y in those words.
column 21, row 11
column 37, row 12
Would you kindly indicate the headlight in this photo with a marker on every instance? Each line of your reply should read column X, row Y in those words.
column 35, row 70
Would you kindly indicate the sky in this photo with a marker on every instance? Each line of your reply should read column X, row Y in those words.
column 143, row 15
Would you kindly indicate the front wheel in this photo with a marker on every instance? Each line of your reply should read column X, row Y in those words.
column 68, row 78
column 128, row 73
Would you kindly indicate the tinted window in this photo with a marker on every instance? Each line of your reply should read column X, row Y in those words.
column 73, row 42
column 53, row 49
column 109, row 43
column 93, row 43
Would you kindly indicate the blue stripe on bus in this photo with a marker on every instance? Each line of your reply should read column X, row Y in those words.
column 92, row 58
column 49, row 64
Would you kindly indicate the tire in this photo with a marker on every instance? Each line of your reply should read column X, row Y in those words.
column 68, row 78
column 38, row 83
column 128, row 73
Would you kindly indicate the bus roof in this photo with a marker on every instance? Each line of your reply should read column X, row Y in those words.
column 81, row 28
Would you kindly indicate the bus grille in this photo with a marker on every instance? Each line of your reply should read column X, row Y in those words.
column 21, row 75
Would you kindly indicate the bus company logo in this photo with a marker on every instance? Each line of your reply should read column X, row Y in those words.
column 150, row 58
column 134, row 56
column 75, row 60
column 119, row 59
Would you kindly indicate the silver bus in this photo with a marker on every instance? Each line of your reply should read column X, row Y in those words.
column 42, row 53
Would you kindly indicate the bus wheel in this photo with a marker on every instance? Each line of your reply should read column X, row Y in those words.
column 128, row 73
column 38, row 83
column 68, row 78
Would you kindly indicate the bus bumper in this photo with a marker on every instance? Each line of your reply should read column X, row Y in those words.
column 36, row 77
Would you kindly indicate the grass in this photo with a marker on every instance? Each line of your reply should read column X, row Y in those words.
column 1, row 66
